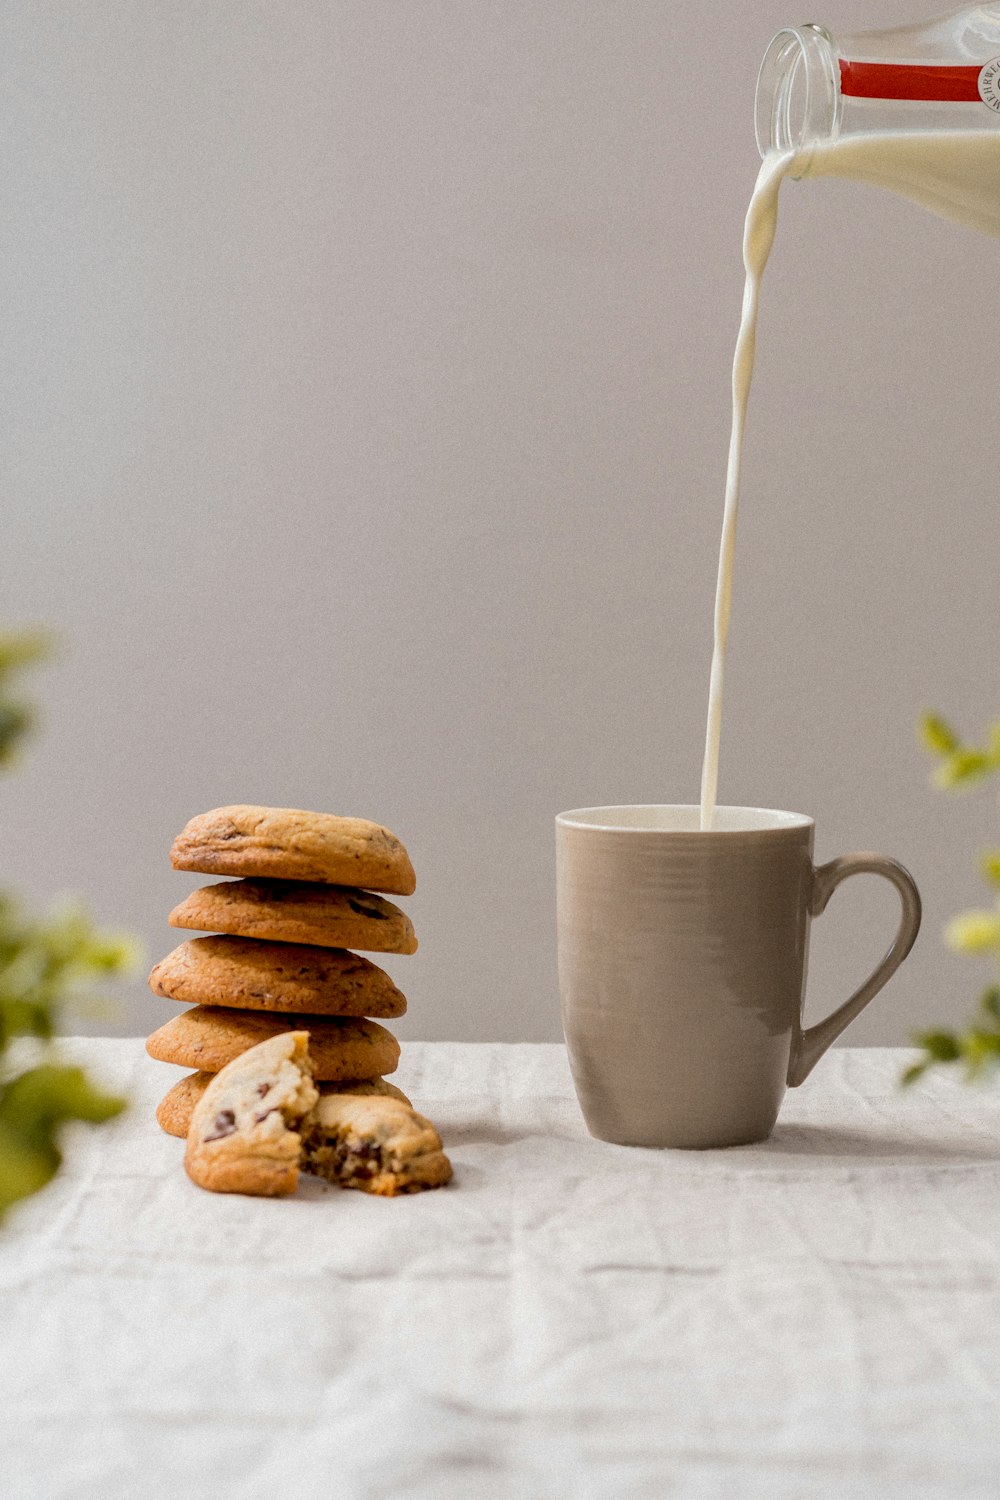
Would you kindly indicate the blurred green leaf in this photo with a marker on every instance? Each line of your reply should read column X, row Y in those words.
column 940, row 1046
column 16, row 719
column 980, row 1050
column 937, row 736
column 23, row 1169
column 974, row 932
column 963, row 768
column 17, row 651
column 33, row 1109
column 23, row 648
column 990, row 866
column 35, row 1102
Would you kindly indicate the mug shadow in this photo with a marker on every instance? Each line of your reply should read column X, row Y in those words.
column 484, row 1135
column 509, row 1135
column 821, row 1147
column 837, row 1143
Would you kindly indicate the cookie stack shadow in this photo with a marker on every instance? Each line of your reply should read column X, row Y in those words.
column 309, row 888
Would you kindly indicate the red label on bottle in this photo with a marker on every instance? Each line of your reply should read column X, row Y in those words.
column 866, row 80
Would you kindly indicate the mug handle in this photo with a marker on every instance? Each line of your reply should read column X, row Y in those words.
column 811, row 1043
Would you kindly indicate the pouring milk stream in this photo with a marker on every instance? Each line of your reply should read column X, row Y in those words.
column 915, row 110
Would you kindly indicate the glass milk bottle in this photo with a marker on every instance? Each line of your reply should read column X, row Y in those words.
column 939, row 75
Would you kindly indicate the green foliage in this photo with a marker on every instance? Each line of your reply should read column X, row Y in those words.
column 33, row 1107
column 977, row 1047
column 974, row 932
column 962, row 766
column 17, row 651
column 44, row 965
column 938, row 736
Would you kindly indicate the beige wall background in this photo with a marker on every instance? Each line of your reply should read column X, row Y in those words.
column 366, row 400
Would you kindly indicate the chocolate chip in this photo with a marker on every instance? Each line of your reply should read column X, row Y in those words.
column 273, row 1111
column 367, row 911
column 263, row 1088
column 358, row 1165
column 362, row 1159
column 224, row 1124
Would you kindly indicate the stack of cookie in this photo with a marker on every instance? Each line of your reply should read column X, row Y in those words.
column 278, row 956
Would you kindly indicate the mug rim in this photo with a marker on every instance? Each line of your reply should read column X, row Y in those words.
column 590, row 819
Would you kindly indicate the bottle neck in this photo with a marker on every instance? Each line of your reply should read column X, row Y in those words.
column 798, row 90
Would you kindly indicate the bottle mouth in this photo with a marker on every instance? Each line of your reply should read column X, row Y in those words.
column 798, row 90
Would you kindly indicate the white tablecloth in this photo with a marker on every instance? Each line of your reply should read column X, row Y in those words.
column 817, row 1315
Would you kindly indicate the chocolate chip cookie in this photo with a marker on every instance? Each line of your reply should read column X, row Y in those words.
column 294, row 911
column 251, row 975
column 378, row 1145
column 244, row 1130
column 175, row 1109
column 208, row 1038
column 287, row 843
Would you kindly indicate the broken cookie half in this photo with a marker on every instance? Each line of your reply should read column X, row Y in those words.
column 261, row 1120
column 243, row 1136
column 374, row 1143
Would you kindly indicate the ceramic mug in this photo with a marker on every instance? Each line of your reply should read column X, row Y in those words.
column 682, row 967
